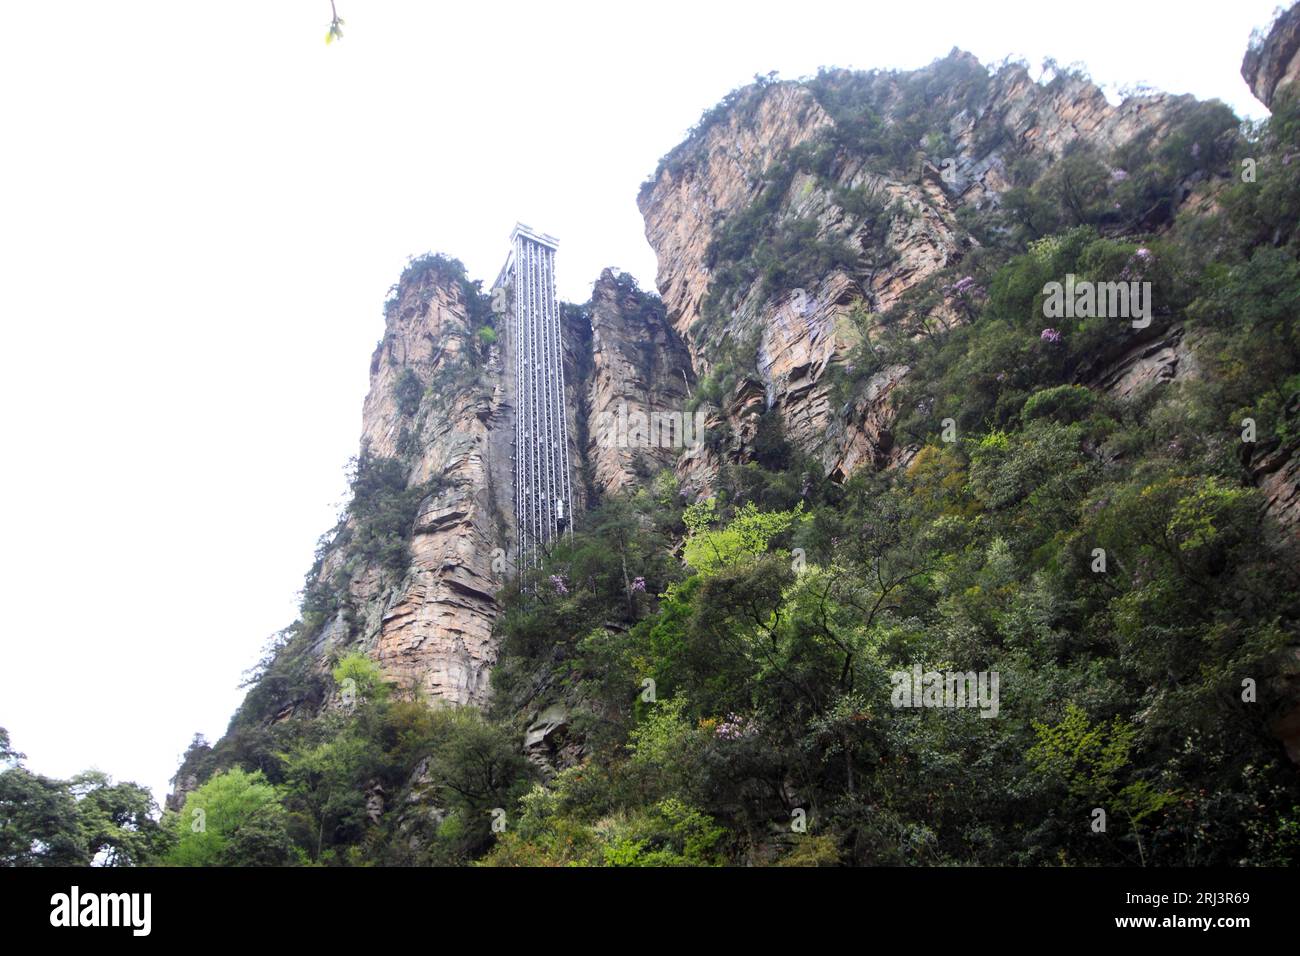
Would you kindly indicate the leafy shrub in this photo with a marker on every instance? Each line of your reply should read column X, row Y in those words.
column 383, row 510
column 407, row 391
column 1064, row 403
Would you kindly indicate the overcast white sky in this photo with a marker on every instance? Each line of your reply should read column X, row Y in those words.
column 202, row 207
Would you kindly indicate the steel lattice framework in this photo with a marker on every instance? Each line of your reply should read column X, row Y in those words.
column 543, row 491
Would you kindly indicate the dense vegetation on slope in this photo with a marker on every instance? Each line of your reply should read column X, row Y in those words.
column 771, row 645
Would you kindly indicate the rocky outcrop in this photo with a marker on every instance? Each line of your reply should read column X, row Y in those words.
column 1278, row 476
column 801, row 340
column 183, row 784
column 1275, row 466
column 419, row 813
column 1151, row 360
column 577, row 374
column 714, row 174
column 548, row 742
column 1272, row 61
column 441, row 391
column 860, row 435
column 1287, row 683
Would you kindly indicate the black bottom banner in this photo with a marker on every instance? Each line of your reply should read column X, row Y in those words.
column 338, row 905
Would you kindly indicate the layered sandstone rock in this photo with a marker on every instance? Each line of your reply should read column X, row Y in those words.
column 1276, row 468
column 639, row 372
column 628, row 354
column 719, row 172
column 432, row 629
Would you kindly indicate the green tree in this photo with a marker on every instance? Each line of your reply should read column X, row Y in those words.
column 235, row 819
column 39, row 825
column 119, row 821
column 1094, row 760
column 49, row 822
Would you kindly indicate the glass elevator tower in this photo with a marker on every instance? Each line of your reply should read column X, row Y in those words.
column 543, row 491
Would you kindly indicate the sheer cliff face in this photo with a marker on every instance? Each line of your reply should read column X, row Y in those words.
column 639, row 368
column 432, row 629
column 721, row 175
column 802, row 336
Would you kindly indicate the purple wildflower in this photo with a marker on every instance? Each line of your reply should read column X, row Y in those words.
column 734, row 727
column 1050, row 335
column 1137, row 264
column 966, row 286
column 638, row 585
column 1118, row 175
column 560, row 585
